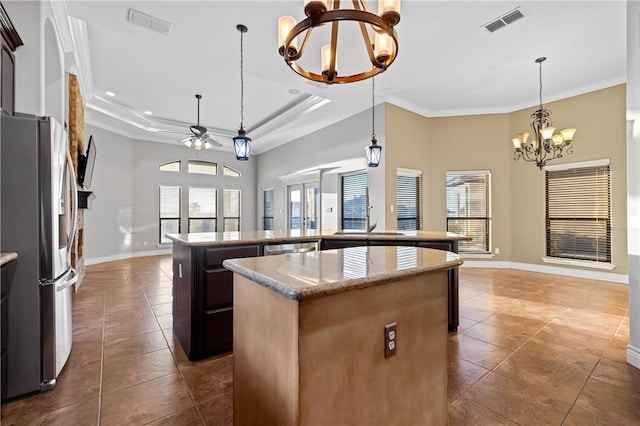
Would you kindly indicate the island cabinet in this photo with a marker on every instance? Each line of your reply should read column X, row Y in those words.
column 450, row 245
column 203, row 297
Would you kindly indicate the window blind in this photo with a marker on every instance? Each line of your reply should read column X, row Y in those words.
column 408, row 201
column 578, row 213
column 469, row 209
column 354, row 201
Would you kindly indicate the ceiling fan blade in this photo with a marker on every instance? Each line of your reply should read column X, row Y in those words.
column 211, row 141
column 188, row 138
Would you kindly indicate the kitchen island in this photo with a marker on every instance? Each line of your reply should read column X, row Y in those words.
column 203, row 288
column 348, row 336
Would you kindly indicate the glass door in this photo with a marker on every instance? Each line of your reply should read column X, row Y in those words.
column 303, row 206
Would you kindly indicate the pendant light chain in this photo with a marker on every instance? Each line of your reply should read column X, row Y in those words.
column 241, row 79
column 540, row 84
column 373, row 109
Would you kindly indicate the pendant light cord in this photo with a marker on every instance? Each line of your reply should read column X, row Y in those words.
column 373, row 109
column 241, row 79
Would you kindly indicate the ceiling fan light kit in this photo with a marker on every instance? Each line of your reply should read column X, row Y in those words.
column 546, row 145
column 199, row 138
column 382, row 50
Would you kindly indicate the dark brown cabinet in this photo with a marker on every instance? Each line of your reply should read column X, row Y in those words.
column 9, row 42
column 203, row 298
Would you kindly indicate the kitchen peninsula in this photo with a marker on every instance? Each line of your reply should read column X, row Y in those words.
column 347, row 336
column 203, row 288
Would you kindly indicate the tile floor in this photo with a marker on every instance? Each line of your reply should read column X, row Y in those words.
column 531, row 349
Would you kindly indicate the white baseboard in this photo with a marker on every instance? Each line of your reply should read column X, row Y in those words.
column 129, row 255
column 633, row 356
column 546, row 269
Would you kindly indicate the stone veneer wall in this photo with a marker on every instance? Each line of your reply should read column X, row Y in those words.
column 76, row 142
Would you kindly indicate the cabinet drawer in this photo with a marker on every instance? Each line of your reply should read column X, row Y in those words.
column 218, row 331
column 218, row 290
column 215, row 256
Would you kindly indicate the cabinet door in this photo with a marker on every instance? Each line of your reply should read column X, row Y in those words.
column 7, row 76
column 337, row 244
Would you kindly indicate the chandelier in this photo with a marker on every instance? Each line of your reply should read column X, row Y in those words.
column 382, row 50
column 545, row 144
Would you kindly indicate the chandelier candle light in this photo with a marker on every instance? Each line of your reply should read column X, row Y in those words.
column 545, row 145
column 382, row 50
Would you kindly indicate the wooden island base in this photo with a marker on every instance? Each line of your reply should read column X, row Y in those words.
column 321, row 361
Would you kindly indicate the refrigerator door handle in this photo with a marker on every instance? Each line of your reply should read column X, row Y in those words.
column 74, row 208
column 69, row 282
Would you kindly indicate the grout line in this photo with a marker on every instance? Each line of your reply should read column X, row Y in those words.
column 104, row 325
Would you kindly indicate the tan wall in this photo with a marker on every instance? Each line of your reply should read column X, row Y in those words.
column 600, row 119
column 483, row 142
column 406, row 146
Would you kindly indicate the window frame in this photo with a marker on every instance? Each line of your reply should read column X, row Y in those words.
column 354, row 219
column 563, row 170
column 466, row 247
column 417, row 219
column 161, row 239
column 265, row 217
column 202, row 163
column 215, row 208
column 224, row 213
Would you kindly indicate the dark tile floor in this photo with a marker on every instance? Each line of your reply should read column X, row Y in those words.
column 531, row 349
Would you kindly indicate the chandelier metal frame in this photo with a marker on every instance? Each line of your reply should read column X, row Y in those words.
column 545, row 145
column 317, row 15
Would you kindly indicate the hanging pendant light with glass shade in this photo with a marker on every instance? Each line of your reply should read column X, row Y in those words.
column 242, row 143
column 373, row 151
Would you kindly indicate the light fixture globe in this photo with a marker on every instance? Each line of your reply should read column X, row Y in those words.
column 374, row 153
column 242, row 145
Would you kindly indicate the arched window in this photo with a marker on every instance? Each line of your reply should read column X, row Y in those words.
column 228, row 171
column 173, row 166
column 204, row 167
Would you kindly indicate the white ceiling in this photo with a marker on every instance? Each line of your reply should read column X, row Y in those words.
column 447, row 64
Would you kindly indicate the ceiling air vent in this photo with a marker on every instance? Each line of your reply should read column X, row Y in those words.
column 504, row 20
column 149, row 22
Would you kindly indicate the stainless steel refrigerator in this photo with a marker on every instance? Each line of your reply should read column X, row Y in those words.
column 38, row 212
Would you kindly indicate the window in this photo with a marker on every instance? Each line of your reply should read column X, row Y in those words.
column 202, row 209
column 231, row 221
column 578, row 212
column 469, row 209
column 267, row 218
column 204, row 167
column 169, row 212
column 174, row 166
column 354, row 201
column 228, row 171
column 408, row 201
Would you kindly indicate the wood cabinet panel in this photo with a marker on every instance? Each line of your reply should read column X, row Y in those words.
column 215, row 256
column 218, row 291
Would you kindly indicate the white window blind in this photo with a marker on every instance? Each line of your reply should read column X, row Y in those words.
column 469, row 209
column 169, row 212
column 231, row 220
column 578, row 213
column 204, row 167
column 408, row 201
column 202, row 209
column 354, row 201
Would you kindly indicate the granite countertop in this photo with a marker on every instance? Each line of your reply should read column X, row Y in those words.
column 276, row 237
column 7, row 257
column 301, row 276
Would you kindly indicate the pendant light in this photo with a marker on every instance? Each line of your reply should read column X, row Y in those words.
column 373, row 151
column 242, row 143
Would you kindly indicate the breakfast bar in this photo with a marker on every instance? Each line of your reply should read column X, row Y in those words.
column 346, row 336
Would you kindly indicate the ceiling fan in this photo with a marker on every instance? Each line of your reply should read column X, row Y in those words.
column 199, row 138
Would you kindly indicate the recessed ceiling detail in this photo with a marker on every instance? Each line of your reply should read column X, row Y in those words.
column 149, row 22
column 504, row 20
